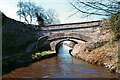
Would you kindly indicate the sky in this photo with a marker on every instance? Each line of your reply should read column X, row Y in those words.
column 62, row 7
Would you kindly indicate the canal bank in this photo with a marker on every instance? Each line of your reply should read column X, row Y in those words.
column 105, row 54
column 61, row 66
column 16, row 61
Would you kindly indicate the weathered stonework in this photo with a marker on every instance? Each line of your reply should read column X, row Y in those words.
column 18, row 35
column 86, row 32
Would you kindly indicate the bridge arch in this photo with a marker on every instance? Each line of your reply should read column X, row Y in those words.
column 58, row 44
column 53, row 34
column 69, row 35
column 55, row 44
column 52, row 41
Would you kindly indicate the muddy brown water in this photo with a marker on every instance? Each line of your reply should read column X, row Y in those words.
column 61, row 66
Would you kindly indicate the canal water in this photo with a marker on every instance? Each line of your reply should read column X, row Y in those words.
column 61, row 66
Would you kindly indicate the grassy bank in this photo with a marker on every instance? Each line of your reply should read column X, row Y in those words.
column 14, row 62
column 43, row 55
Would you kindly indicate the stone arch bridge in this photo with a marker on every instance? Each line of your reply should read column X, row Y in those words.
column 51, row 35
column 19, row 37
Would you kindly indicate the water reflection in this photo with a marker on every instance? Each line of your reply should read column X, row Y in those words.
column 61, row 66
column 73, row 67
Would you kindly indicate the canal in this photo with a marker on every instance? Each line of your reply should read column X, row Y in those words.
column 61, row 66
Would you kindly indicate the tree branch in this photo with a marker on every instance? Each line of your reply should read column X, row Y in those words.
column 88, row 12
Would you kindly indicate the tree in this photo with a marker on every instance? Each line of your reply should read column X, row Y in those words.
column 113, row 24
column 28, row 11
column 51, row 17
column 100, row 8
column 109, row 9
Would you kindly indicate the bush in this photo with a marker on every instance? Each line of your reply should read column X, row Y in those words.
column 113, row 23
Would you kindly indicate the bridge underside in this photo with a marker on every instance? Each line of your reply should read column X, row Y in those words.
column 56, row 44
column 51, row 42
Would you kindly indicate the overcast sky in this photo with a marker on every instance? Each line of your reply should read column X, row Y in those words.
column 62, row 7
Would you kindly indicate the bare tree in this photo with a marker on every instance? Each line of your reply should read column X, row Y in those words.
column 51, row 17
column 28, row 10
column 108, row 8
column 100, row 8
